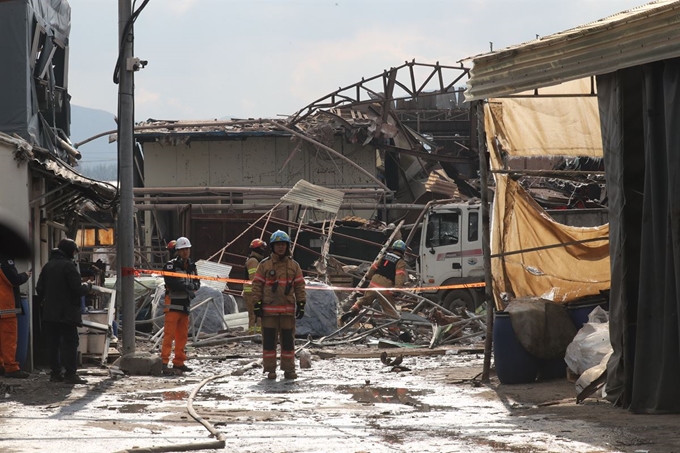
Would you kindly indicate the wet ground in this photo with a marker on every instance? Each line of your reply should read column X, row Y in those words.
column 339, row 405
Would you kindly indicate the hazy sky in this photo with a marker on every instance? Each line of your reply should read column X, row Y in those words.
column 257, row 58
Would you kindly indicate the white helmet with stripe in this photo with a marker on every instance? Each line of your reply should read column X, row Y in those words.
column 182, row 243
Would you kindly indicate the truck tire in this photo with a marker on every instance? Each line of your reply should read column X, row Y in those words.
column 458, row 298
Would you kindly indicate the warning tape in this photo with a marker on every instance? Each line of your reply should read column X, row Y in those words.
column 128, row 271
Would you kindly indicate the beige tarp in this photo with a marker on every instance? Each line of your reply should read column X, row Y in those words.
column 563, row 273
column 547, row 126
column 560, row 274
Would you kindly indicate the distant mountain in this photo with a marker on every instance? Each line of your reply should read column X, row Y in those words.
column 99, row 156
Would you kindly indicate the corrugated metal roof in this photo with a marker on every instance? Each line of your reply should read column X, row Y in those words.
column 211, row 269
column 307, row 194
column 640, row 35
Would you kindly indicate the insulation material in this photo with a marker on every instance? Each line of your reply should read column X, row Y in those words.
column 547, row 126
column 559, row 274
column 209, row 317
column 321, row 312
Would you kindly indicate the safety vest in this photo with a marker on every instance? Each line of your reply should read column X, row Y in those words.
column 8, row 308
column 388, row 266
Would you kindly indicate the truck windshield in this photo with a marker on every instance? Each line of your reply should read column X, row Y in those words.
column 442, row 229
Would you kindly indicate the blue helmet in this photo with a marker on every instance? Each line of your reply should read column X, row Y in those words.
column 399, row 245
column 279, row 236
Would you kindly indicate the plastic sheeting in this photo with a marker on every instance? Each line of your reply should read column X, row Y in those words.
column 321, row 312
column 548, row 125
column 542, row 327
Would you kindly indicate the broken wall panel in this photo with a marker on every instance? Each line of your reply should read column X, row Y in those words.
column 255, row 162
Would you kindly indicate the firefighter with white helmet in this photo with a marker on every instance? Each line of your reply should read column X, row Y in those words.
column 280, row 298
column 389, row 272
column 179, row 291
column 258, row 248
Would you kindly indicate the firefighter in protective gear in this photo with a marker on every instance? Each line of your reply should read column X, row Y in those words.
column 10, row 307
column 258, row 248
column 389, row 272
column 171, row 248
column 280, row 298
column 179, row 291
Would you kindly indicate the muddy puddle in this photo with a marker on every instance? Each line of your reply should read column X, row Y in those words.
column 372, row 395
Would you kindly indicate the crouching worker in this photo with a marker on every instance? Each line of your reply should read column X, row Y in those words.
column 179, row 291
column 389, row 272
column 279, row 295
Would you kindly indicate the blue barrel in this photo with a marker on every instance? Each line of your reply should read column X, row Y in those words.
column 578, row 312
column 514, row 365
column 22, row 334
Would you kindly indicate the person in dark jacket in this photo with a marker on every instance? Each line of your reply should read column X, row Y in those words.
column 179, row 291
column 60, row 286
column 10, row 307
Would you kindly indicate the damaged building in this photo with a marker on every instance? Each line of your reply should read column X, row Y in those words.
column 41, row 189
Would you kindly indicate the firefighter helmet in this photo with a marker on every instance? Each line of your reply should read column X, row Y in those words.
column 182, row 243
column 256, row 244
column 279, row 236
column 399, row 245
column 171, row 245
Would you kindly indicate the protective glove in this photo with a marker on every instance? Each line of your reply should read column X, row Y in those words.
column 193, row 285
column 345, row 318
column 192, row 295
column 257, row 309
column 300, row 309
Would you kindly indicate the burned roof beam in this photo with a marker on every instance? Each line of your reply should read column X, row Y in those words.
column 386, row 75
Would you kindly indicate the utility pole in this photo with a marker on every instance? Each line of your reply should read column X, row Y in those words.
column 125, row 228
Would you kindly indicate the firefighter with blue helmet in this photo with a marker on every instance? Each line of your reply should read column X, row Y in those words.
column 279, row 294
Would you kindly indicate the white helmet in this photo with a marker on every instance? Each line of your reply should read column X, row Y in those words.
column 182, row 243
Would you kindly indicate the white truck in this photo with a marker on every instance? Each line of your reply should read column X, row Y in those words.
column 450, row 253
column 450, row 249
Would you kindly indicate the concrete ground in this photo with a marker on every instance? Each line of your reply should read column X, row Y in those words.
column 341, row 405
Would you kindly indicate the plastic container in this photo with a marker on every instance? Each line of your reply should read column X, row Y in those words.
column 22, row 333
column 514, row 365
column 578, row 312
column 96, row 339
column 83, row 335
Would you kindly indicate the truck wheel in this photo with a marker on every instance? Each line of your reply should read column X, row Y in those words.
column 458, row 298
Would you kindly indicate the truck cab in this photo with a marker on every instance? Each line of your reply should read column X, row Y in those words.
column 450, row 253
